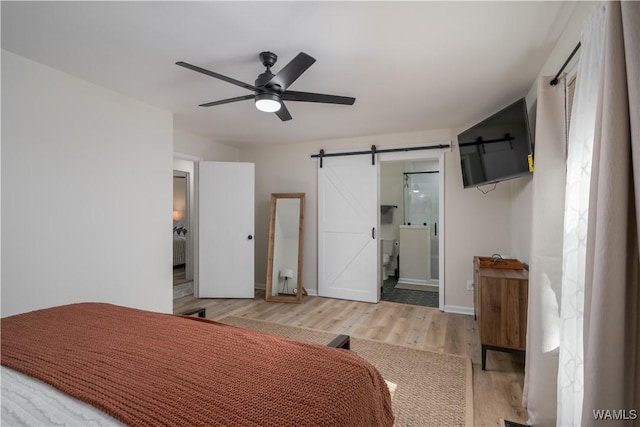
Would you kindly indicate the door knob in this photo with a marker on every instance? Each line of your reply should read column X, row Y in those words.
column 250, row 237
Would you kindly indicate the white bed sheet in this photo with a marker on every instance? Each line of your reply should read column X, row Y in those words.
column 27, row 401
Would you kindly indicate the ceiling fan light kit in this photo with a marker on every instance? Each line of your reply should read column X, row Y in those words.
column 270, row 90
column 268, row 102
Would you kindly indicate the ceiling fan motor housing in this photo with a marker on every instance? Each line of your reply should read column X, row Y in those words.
column 268, row 59
column 265, row 78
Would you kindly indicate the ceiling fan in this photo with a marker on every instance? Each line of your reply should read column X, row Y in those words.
column 270, row 90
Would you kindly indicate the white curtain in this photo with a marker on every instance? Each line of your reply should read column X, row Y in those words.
column 545, row 272
column 612, row 279
column 597, row 326
column 580, row 148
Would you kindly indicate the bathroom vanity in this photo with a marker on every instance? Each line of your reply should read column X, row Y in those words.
column 501, row 292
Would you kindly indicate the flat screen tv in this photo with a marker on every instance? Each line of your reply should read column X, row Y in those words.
column 497, row 148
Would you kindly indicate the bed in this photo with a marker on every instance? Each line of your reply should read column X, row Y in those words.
column 179, row 250
column 149, row 369
column 179, row 245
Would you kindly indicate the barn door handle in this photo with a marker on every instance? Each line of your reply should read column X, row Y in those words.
column 373, row 233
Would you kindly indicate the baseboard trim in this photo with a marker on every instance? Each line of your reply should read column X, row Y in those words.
column 457, row 309
column 262, row 286
column 447, row 308
column 408, row 281
column 418, row 287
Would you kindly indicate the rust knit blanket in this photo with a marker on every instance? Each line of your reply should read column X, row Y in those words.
column 151, row 369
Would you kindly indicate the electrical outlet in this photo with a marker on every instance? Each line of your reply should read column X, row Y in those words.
column 469, row 285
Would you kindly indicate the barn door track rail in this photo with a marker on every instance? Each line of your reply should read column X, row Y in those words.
column 321, row 154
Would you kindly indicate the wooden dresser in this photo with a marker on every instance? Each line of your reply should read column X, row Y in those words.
column 500, row 302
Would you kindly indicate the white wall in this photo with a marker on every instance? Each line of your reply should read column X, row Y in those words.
column 86, row 193
column 391, row 193
column 189, row 221
column 521, row 219
column 522, row 192
column 203, row 148
column 476, row 224
column 180, row 199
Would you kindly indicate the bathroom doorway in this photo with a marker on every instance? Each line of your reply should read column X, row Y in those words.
column 184, row 207
column 411, row 229
column 181, row 229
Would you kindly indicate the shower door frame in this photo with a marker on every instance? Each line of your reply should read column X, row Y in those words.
column 428, row 155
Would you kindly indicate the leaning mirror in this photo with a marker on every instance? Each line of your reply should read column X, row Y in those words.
column 284, row 264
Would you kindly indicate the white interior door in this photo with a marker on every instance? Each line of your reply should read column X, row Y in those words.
column 347, row 228
column 226, row 223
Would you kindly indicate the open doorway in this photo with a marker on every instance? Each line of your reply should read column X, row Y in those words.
column 409, row 219
column 182, row 235
column 411, row 192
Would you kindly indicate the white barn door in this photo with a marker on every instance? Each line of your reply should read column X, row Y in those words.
column 347, row 229
column 226, row 223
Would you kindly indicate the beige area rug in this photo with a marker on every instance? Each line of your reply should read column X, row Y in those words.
column 427, row 388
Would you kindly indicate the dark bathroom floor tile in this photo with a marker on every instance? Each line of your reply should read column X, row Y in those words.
column 408, row 296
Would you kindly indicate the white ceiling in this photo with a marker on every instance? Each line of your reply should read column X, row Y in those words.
column 410, row 65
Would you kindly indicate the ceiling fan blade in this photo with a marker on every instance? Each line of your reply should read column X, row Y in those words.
column 217, row 76
column 228, row 100
column 317, row 97
column 292, row 71
column 283, row 113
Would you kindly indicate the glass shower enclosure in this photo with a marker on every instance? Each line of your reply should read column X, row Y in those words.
column 421, row 207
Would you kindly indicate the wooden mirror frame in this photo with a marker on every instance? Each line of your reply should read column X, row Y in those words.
column 297, row 298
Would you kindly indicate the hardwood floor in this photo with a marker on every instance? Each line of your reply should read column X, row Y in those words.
column 179, row 275
column 497, row 392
